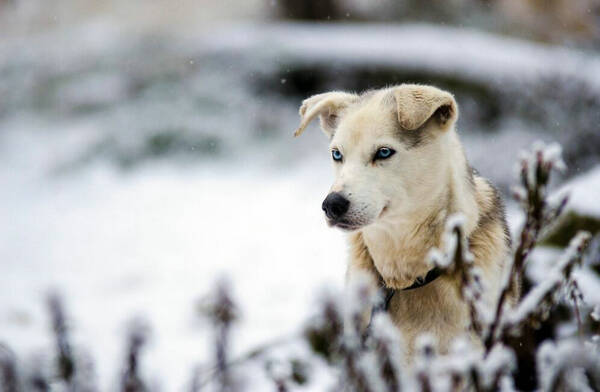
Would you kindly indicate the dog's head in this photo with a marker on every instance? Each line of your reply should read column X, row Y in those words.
column 387, row 148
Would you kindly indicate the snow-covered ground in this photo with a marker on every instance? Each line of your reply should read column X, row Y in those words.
column 153, row 242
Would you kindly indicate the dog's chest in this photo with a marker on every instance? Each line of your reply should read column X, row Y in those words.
column 399, row 258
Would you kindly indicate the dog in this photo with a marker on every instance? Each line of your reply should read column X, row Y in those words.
column 400, row 172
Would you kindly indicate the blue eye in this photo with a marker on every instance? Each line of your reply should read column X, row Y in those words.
column 384, row 153
column 336, row 155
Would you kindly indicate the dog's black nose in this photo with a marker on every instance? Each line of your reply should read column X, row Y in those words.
column 335, row 205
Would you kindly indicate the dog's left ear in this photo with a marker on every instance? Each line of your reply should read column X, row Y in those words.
column 416, row 104
column 328, row 107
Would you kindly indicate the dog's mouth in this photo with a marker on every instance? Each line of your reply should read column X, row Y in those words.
column 348, row 225
column 343, row 224
column 383, row 210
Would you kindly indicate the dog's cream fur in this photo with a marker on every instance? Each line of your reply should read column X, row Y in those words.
column 399, row 206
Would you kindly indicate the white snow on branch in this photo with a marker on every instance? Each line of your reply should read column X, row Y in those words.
column 555, row 278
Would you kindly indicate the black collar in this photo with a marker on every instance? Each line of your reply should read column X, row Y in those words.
column 388, row 293
column 432, row 275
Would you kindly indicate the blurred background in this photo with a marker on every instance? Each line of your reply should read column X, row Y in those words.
column 146, row 148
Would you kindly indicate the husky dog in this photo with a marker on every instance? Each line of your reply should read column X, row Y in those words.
column 400, row 172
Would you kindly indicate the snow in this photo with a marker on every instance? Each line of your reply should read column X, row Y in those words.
column 562, row 355
column 152, row 244
column 118, row 87
column 552, row 280
column 482, row 56
column 584, row 193
column 500, row 358
column 445, row 259
column 589, row 284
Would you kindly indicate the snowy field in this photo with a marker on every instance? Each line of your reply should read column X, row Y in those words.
column 123, row 223
column 151, row 244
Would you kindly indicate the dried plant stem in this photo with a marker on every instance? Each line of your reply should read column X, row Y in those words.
column 511, row 286
column 132, row 381
column 66, row 362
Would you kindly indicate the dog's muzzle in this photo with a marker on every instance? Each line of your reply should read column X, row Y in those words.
column 335, row 206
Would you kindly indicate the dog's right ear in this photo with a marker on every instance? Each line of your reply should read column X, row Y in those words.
column 328, row 107
column 416, row 104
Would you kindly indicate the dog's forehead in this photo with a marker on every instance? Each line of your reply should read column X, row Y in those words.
column 370, row 118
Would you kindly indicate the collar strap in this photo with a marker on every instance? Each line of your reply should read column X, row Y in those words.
column 432, row 275
column 388, row 293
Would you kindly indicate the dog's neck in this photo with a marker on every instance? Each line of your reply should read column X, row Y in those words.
column 400, row 243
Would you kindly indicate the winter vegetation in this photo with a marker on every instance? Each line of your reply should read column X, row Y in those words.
column 542, row 334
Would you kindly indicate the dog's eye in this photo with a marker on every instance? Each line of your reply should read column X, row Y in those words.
column 336, row 155
column 384, row 153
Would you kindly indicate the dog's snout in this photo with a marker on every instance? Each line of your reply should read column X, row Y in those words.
column 335, row 205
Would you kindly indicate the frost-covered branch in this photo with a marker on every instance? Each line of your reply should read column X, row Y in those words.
column 340, row 346
column 424, row 362
column 387, row 345
column 8, row 371
column 534, row 306
column 531, row 193
column 576, row 297
column 457, row 260
column 286, row 374
column 65, row 360
column 568, row 365
column 132, row 380
column 222, row 312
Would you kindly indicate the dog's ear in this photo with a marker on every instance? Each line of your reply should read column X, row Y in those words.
column 328, row 107
column 416, row 104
